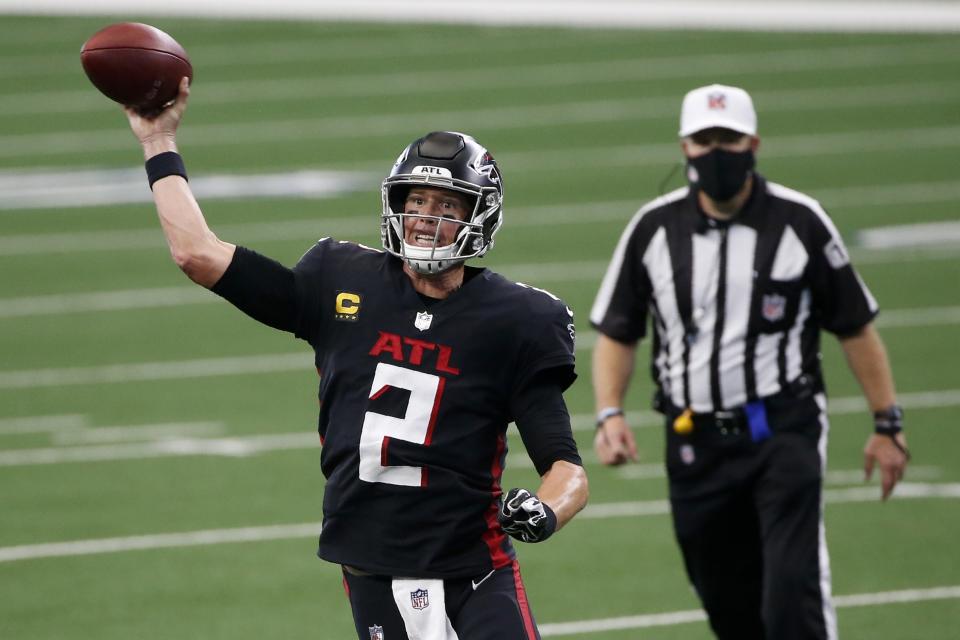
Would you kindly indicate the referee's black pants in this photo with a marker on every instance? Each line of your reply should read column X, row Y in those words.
column 748, row 519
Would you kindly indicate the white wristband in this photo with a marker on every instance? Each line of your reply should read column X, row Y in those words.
column 606, row 413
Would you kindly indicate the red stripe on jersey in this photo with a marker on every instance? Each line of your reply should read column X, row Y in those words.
column 382, row 391
column 383, row 450
column 494, row 536
column 524, row 604
column 433, row 422
column 436, row 410
column 346, row 587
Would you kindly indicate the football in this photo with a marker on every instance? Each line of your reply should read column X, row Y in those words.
column 135, row 64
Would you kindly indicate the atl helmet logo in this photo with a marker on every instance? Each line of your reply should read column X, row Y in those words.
column 419, row 599
column 429, row 170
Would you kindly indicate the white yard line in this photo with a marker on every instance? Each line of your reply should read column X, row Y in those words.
column 910, row 235
column 59, row 304
column 156, row 432
column 502, row 118
column 96, row 187
column 22, row 190
column 239, row 446
column 672, row 618
column 174, row 447
column 561, row 74
column 42, row 424
column 282, row 362
column 656, row 471
column 169, row 370
column 741, row 15
column 320, row 49
column 904, row 490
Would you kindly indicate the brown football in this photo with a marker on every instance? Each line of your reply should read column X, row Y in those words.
column 135, row 64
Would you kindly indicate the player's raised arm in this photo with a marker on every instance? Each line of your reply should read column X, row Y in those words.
column 193, row 246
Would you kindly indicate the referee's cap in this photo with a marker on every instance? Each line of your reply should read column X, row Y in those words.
column 717, row 105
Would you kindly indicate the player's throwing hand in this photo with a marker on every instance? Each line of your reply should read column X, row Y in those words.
column 525, row 517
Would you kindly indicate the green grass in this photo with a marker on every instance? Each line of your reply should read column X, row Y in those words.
column 574, row 117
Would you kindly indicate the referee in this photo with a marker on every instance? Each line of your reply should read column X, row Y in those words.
column 738, row 276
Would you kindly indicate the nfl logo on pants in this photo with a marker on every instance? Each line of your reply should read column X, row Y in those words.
column 376, row 632
column 419, row 599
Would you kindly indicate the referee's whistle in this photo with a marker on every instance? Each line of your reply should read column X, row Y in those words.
column 683, row 423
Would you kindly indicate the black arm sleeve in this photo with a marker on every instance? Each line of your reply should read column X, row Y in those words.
column 262, row 288
column 544, row 422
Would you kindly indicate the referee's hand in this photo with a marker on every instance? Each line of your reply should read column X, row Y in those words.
column 614, row 442
column 881, row 450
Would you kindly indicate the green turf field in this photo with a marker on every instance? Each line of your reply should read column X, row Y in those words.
column 160, row 410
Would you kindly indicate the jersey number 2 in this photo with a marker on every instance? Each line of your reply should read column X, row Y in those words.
column 416, row 426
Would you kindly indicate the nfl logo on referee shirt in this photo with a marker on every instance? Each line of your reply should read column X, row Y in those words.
column 376, row 632
column 419, row 599
column 774, row 307
column 423, row 320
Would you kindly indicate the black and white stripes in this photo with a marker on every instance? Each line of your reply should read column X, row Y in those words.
column 732, row 303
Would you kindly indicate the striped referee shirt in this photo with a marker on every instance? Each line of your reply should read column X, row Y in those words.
column 736, row 306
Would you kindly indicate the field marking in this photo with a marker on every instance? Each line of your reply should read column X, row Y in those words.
column 291, row 184
column 646, row 621
column 348, row 126
column 42, row 424
column 283, row 362
column 549, row 272
column 123, row 299
column 264, row 53
column 156, row 432
column 657, row 471
column 740, row 15
column 149, row 371
column 97, row 187
column 910, row 235
column 242, row 446
column 904, row 490
column 560, row 74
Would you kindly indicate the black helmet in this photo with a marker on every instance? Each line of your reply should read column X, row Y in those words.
column 448, row 160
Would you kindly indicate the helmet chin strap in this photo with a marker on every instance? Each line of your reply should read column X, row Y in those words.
column 419, row 258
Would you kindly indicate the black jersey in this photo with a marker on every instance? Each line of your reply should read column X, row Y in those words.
column 414, row 403
column 737, row 306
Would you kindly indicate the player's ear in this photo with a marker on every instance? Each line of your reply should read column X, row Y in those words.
column 754, row 143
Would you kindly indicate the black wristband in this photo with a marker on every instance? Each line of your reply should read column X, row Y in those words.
column 888, row 422
column 168, row 163
column 551, row 525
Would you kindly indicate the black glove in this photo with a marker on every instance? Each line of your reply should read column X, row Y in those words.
column 525, row 518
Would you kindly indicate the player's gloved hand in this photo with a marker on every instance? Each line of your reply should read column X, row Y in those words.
column 525, row 517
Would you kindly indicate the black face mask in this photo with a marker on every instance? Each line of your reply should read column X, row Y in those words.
column 721, row 174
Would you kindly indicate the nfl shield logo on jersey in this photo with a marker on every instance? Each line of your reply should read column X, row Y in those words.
column 419, row 599
column 774, row 307
column 423, row 320
column 376, row 632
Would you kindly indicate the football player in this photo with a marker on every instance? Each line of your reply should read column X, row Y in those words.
column 423, row 361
